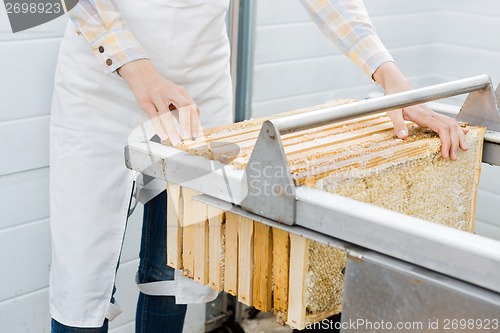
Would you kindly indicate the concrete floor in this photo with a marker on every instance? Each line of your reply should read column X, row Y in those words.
column 264, row 322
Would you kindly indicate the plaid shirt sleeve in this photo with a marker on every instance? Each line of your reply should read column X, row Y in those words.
column 348, row 25
column 109, row 37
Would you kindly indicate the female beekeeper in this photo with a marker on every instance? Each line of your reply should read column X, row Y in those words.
column 120, row 63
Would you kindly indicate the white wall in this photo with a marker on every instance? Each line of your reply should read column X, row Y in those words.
column 295, row 65
column 432, row 42
column 27, row 63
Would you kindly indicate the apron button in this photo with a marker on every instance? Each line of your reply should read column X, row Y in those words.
column 109, row 62
column 101, row 49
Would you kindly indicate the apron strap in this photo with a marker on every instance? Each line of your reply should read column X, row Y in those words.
column 185, row 290
column 159, row 288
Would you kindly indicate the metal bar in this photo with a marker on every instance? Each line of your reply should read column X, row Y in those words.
column 468, row 257
column 177, row 166
column 296, row 230
column 245, row 55
column 327, row 217
column 480, row 108
column 380, row 104
column 194, row 172
column 232, row 21
column 273, row 196
column 271, row 191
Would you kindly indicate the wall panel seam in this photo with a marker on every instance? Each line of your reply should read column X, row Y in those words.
column 373, row 17
column 24, row 225
column 19, row 120
column 22, row 171
column 23, row 295
column 464, row 13
column 489, row 223
column 338, row 55
column 470, row 48
column 489, row 193
column 27, row 40
column 363, row 86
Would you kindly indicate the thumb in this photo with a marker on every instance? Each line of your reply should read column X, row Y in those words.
column 399, row 123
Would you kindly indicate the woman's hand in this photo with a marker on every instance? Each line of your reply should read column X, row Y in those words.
column 158, row 97
column 451, row 134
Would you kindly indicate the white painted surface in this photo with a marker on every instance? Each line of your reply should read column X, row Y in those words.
column 27, row 62
column 439, row 41
column 28, row 76
column 29, row 189
column 433, row 41
column 26, row 144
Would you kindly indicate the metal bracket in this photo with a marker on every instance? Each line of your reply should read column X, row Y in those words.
column 480, row 108
column 271, row 191
column 497, row 93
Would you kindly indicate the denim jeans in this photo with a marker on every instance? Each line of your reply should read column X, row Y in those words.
column 155, row 314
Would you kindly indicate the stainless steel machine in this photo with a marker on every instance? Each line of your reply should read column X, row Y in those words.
column 416, row 275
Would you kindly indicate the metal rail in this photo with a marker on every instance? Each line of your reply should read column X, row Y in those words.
column 347, row 224
column 423, row 243
column 427, row 263
column 332, row 219
column 380, row 104
column 273, row 196
column 420, row 263
column 452, row 252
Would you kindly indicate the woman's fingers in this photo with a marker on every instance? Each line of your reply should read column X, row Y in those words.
column 158, row 96
column 166, row 120
column 455, row 141
column 184, row 107
column 185, row 122
column 451, row 134
column 444, row 134
column 193, row 113
column 463, row 138
column 152, row 113
column 176, row 106
column 195, row 122
column 399, row 123
column 458, row 133
column 189, row 120
column 425, row 117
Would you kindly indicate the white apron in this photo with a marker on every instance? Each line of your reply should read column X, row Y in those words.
column 92, row 116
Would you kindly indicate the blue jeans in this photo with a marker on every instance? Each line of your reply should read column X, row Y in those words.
column 155, row 314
